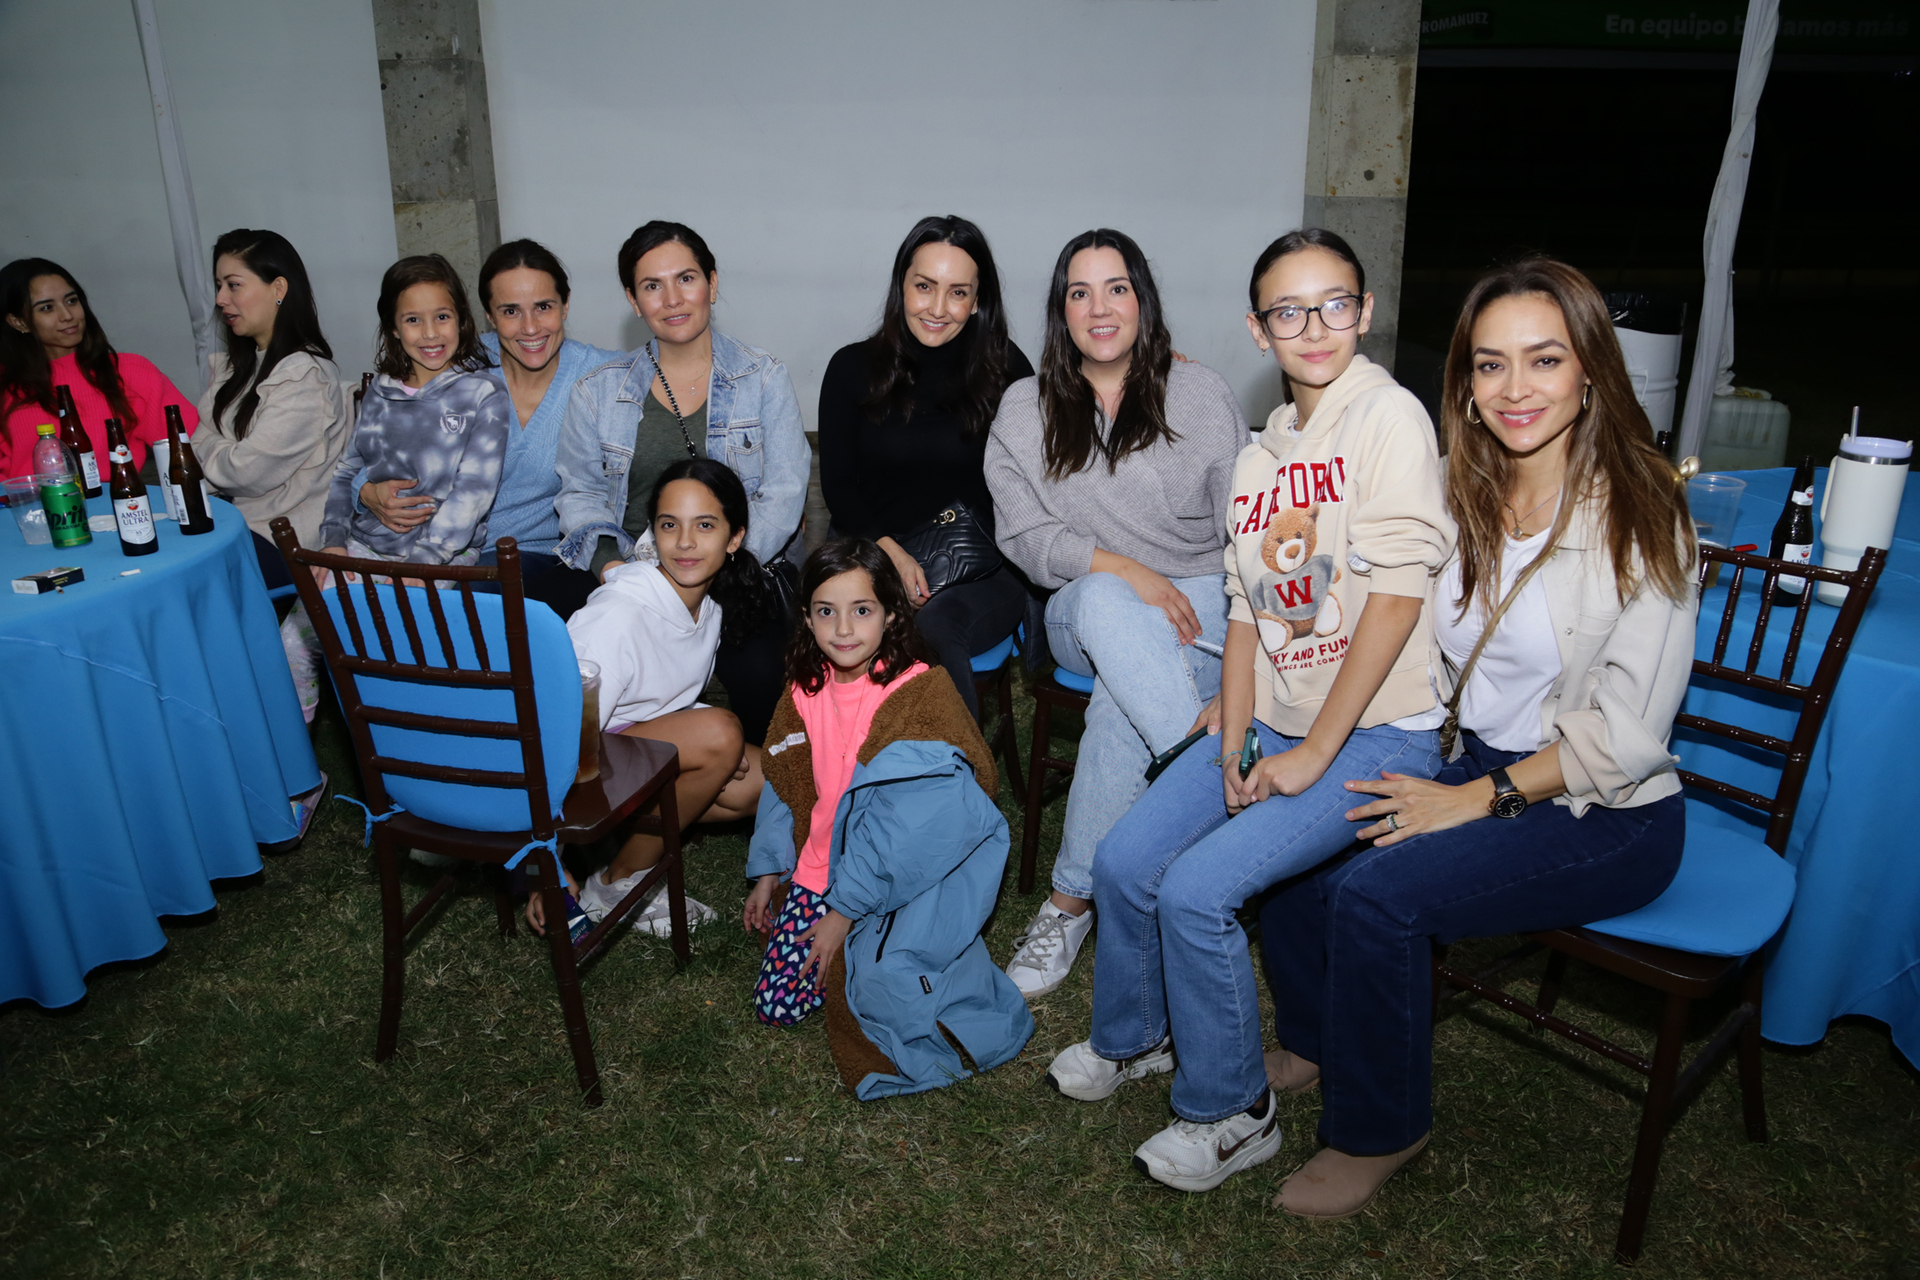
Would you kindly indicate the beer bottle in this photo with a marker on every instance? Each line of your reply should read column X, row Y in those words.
column 57, row 474
column 130, row 509
column 189, row 490
column 75, row 437
column 1793, row 535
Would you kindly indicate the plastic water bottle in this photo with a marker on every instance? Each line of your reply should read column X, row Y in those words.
column 57, row 472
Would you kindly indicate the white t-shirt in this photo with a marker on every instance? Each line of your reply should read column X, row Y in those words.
column 1517, row 669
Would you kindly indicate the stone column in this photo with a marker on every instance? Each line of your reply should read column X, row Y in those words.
column 433, row 85
column 1365, row 56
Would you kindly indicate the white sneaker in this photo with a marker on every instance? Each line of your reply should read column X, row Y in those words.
column 1043, row 955
column 597, row 897
column 1078, row 1072
column 1199, row 1157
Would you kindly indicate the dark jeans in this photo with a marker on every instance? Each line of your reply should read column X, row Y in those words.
column 1348, row 947
column 753, row 669
column 968, row 619
column 273, row 566
column 534, row 565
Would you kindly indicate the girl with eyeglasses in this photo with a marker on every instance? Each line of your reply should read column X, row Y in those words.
column 1337, row 527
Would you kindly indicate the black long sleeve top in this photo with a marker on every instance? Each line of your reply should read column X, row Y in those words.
column 884, row 478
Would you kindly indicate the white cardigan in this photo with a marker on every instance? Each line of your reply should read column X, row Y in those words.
column 1623, row 673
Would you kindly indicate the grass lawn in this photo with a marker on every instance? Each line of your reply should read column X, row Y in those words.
column 217, row 1113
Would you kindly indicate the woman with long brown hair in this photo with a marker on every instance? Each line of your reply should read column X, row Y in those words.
column 1110, row 475
column 51, row 338
column 1566, row 626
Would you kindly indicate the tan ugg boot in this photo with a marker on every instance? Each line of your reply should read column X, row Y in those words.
column 1336, row 1185
column 1289, row 1072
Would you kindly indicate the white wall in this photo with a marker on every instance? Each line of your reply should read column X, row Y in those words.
column 279, row 105
column 803, row 139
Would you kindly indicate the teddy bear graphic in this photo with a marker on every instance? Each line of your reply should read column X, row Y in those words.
column 1296, row 595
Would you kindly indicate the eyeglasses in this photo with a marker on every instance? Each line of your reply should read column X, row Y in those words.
column 1290, row 321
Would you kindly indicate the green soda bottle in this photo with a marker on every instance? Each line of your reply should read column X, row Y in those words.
column 58, row 474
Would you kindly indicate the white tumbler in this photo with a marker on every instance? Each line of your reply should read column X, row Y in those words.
column 1864, row 487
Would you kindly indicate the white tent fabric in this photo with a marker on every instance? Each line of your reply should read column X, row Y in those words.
column 187, row 255
column 1713, row 350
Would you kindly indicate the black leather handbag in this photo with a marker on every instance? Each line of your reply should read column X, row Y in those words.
column 953, row 548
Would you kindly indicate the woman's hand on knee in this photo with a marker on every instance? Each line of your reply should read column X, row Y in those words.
column 1411, row 806
column 1158, row 590
column 911, row 573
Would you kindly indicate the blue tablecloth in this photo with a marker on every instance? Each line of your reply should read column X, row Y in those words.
column 150, row 738
column 1852, row 944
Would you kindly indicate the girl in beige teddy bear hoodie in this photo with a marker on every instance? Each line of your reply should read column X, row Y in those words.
column 1337, row 526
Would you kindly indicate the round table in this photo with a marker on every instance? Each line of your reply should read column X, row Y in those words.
column 150, row 739
column 1852, row 943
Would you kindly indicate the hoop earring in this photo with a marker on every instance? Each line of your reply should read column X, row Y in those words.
column 1473, row 413
column 1586, row 396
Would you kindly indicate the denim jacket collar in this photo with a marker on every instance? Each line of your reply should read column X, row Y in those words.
column 731, row 362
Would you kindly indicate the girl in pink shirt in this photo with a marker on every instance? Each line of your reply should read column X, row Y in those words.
column 855, row 646
column 51, row 339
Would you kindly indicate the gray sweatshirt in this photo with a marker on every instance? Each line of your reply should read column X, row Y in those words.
column 1165, row 506
column 450, row 438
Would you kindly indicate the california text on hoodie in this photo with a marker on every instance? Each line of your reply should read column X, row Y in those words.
column 654, row 656
column 1351, row 505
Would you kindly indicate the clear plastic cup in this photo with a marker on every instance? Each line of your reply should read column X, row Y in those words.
column 23, row 499
column 589, row 723
column 1714, row 501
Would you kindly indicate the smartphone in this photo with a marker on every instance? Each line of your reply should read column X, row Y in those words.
column 1249, row 753
column 1160, row 762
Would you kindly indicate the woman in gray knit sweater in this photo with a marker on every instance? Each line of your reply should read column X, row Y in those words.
column 1110, row 474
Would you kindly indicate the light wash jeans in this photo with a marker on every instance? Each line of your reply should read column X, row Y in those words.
column 1148, row 689
column 1167, row 882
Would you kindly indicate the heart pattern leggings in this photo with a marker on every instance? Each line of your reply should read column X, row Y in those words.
column 781, row 997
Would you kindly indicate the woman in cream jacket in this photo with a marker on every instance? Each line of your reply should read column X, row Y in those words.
column 274, row 416
column 1562, row 806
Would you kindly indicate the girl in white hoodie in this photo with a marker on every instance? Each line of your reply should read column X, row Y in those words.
column 1336, row 524
column 653, row 629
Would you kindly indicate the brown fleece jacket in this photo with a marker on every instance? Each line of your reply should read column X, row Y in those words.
column 927, row 708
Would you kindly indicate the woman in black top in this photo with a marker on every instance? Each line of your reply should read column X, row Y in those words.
column 903, row 429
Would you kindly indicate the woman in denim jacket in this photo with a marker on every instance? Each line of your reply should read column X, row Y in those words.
column 690, row 390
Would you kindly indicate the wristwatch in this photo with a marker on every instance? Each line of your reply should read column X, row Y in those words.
column 1507, row 800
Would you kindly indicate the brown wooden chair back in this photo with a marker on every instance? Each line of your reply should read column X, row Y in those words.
column 1815, row 696
column 515, row 675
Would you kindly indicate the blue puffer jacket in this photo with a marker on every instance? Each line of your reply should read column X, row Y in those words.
column 918, row 853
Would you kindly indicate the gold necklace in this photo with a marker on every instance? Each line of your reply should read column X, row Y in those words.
column 1518, row 521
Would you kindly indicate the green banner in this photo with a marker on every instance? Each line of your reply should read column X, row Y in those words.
column 1811, row 26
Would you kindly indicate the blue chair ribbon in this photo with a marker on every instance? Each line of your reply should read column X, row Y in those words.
column 366, row 837
column 552, row 845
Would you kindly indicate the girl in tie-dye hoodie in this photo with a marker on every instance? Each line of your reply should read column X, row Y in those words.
column 437, row 415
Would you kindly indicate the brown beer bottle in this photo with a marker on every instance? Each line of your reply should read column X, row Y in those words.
column 184, row 479
column 130, row 509
column 75, row 437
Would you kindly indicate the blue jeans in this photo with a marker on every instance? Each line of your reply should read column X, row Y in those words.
column 1348, row 949
column 1167, row 882
column 1148, row 689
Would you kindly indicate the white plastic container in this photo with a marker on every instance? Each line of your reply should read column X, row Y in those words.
column 1870, row 476
column 1746, row 431
column 1653, row 366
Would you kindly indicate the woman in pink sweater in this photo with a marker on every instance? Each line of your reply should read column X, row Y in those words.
column 51, row 339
